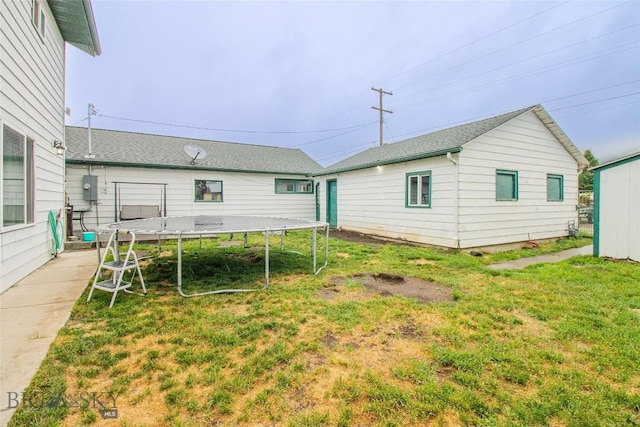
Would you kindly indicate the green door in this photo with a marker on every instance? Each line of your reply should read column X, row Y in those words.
column 332, row 202
column 317, row 201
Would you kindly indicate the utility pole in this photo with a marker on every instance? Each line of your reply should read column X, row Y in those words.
column 91, row 111
column 382, row 111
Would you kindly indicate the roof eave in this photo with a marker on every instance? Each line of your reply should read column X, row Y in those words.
column 545, row 118
column 391, row 161
column 616, row 162
column 77, row 24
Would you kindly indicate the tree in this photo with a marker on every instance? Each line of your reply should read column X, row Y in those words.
column 586, row 177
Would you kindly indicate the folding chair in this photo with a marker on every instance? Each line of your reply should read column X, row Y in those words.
column 118, row 268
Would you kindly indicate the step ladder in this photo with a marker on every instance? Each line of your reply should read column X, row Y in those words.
column 118, row 268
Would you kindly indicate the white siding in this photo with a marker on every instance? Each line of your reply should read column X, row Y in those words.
column 243, row 193
column 372, row 201
column 619, row 216
column 525, row 145
column 32, row 102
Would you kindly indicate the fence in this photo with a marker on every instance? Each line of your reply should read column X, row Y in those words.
column 585, row 214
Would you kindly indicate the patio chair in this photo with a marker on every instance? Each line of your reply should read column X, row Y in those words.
column 118, row 268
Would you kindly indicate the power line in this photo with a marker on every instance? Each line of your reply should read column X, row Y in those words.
column 475, row 41
column 232, row 130
column 335, row 136
column 469, row 120
column 582, row 113
column 596, row 101
column 565, row 63
column 563, row 26
column 465, row 64
column 445, row 54
column 514, row 77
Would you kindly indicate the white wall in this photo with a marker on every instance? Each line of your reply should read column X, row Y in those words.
column 243, row 193
column 619, row 211
column 525, row 145
column 32, row 103
column 372, row 201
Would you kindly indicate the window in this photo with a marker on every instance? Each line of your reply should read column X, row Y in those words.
column 208, row 191
column 555, row 188
column 506, row 185
column 418, row 190
column 38, row 17
column 284, row 186
column 17, row 178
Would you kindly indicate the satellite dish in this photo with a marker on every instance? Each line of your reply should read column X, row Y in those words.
column 195, row 153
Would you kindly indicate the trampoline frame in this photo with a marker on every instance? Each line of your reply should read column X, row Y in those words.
column 269, row 226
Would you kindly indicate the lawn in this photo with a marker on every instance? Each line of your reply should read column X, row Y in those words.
column 553, row 344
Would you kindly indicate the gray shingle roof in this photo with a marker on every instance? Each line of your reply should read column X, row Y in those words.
column 429, row 145
column 118, row 147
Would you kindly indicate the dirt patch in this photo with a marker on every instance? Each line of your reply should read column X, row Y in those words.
column 355, row 237
column 328, row 293
column 330, row 340
column 421, row 261
column 392, row 284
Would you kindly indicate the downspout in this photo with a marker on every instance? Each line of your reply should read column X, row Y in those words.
column 456, row 204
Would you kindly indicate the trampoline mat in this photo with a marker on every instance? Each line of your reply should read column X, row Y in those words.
column 211, row 224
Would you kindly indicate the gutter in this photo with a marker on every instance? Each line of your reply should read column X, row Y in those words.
column 191, row 168
column 390, row 161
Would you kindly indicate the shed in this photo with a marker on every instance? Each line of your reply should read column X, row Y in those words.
column 500, row 180
column 616, row 186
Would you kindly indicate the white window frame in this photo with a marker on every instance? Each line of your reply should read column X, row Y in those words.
column 28, row 179
column 38, row 18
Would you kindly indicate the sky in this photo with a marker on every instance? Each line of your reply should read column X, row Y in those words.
column 300, row 74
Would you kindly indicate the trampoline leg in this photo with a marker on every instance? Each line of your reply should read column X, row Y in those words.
column 266, row 259
column 313, row 248
column 180, row 266
column 326, row 251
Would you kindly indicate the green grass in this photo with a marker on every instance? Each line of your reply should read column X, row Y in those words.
column 552, row 344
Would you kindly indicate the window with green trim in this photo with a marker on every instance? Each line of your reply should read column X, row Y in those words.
column 418, row 190
column 506, row 185
column 555, row 188
column 208, row 191
column 297, row 186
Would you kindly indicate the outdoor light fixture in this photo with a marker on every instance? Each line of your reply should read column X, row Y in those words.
column 59, row 146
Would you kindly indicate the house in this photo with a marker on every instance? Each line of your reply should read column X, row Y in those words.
column 131, row 175
column 504, row 179
column 32, row 90
column 616, row 185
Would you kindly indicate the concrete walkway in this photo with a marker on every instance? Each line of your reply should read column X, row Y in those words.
column 32, row 312
column 556, row 257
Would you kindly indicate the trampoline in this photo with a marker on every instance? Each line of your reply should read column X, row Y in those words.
column 185, row 226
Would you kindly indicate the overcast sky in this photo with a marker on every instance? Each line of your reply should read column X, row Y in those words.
column 299, row 74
